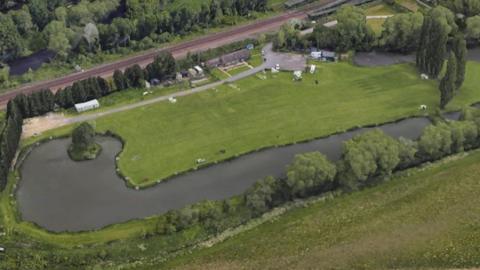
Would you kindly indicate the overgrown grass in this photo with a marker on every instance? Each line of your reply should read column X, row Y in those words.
column 426, row 220
column 380, row 9
column 409, row 4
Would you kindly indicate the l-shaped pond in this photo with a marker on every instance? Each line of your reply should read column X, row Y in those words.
column 62, row 195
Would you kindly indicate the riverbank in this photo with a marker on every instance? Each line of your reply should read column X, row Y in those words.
column 149, row 251
column 424, row 217
column 79, row 202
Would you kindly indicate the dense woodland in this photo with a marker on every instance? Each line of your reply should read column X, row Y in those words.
column 76, row 28
column 401, row 33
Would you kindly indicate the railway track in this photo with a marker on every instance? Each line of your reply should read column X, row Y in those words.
column 178, row 51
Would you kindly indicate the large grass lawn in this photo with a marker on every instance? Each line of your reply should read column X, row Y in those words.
column 428, row 220
column 233, row 119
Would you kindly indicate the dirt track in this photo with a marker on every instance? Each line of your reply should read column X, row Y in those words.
column 178, row 50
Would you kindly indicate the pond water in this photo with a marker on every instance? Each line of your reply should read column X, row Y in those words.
column 378, row 59
column 61, row 195
column 375, row 59
column 34, row 61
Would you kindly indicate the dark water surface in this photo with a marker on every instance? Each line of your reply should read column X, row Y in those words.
column 378, row 58
column 61, row 195
column 34, row 61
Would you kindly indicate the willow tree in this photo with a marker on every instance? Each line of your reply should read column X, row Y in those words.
column 448, row 83
column 83, row 145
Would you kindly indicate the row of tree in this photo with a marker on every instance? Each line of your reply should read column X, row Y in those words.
column 403, row 33
column 51, row 25
column 44, row 101
column 162, row 68
column 9, row 140
column 82, row 91
column 367, row 160
column 89, row 26
column 35, row 104
column 439, row 33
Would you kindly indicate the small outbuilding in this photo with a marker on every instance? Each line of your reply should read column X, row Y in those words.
column 230, row 59
column 86, row 106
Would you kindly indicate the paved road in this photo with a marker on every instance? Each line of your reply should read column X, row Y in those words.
column 179, row 50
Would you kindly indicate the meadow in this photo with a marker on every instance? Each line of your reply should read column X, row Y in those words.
column 262, row 111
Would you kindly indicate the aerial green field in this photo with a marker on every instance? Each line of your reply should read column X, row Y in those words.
column 409, row 4
column 427, row 220
column 380, row 9
column 426, row 217
column 262, row 111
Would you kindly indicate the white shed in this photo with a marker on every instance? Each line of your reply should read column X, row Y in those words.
column 86, row 106
column 198, row 69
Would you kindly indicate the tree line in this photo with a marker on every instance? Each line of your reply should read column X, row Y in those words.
column 402, row 32
column 367, row 160
column 441, row 36
column 9, row 140
column 90, row 26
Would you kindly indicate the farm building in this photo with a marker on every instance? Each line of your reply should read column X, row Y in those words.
column 86, row 106
column 229, row 59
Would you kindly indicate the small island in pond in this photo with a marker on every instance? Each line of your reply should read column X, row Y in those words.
column 83, row 145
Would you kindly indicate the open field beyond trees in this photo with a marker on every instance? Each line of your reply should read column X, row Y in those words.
column 429, row 219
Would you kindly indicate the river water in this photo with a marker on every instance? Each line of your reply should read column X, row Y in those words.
column 61, row 195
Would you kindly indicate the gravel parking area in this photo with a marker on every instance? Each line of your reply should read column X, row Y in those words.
column 287, row 61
